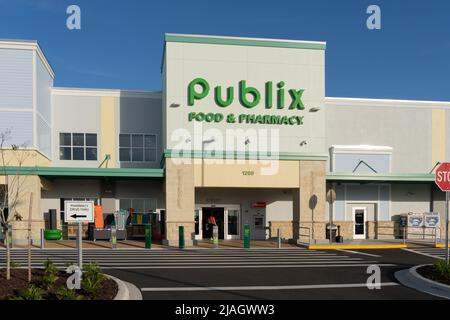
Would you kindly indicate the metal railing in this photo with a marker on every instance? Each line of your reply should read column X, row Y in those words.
column 304, row 234
column 423, row 235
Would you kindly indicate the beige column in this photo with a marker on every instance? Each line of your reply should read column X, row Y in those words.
column 438, row 136
column 19, row 191
column 109, row 136
column 309, row 200
column 180, row 201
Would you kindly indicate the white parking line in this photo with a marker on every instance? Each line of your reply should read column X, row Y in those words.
column 267, row 288
column 357, row 252
column 253, row 267
column 422, row 254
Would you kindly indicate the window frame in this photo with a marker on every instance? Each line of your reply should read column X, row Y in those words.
column 73, row 147
column 143, row 148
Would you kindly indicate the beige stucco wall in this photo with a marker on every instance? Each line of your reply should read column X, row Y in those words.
column 24, row 158
column 180, row 201
column 438, row 137
column 20, row 190
column 109, row 133
column 247, row 175
column 309, row 199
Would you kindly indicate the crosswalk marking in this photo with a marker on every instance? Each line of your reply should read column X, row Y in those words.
column 189, row 259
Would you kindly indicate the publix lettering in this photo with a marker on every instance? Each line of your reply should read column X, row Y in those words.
column 249, row 97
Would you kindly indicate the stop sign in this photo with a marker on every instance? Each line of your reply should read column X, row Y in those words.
column 443, row 176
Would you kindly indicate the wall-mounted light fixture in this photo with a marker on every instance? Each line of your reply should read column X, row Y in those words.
column 315, row 109
column 303, row 143
column 213, row 139
column 247, row 141
column 175, row 105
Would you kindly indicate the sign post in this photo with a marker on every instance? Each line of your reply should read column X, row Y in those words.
column 331, row 198
column 443, row 182
column 79, row 212
column 80, row 245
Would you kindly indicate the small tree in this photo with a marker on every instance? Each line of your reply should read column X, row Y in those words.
column 10, row 193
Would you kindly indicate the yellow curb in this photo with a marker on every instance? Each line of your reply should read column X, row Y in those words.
column 356, row 247
column 440, row 246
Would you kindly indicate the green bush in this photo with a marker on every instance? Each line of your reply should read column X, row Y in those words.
column 13, row 265
column 442, row 269
column 33, row 293
column 65, row 293
column 92, row 279
column 51, row 274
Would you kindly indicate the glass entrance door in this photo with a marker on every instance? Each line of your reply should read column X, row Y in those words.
column 233, row 215
column 359, row 215
column 228, row 218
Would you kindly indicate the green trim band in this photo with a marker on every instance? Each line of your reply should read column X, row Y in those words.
column 83, row 172
column 196, row 154
column 245, row 42
column 397, row 177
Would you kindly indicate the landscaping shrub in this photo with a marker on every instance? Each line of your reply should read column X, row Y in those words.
column 33, row 293
column 51, row 274
column 65, row 293
column 92, row 279
column 442, row 269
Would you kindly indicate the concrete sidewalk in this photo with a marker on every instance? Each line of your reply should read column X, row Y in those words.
column 136, row 244
column 357, row 244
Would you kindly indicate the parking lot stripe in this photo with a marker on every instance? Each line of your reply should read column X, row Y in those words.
column 265, row 288
column 357, row 252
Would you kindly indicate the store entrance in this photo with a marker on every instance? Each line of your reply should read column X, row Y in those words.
column 209, row 215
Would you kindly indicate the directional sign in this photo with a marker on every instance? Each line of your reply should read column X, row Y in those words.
column 443, row 176
column 78, row 211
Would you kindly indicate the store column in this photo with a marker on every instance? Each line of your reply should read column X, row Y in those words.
column 309, row 200
column 20, row 189
column 180, row 200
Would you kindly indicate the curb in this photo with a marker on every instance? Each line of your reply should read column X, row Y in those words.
column 127, row 291
column 411, row 279
column 358, row 247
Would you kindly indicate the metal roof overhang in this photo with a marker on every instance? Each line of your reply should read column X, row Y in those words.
column 381, row 178
column 54, row 172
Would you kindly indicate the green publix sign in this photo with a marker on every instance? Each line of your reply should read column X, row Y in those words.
column 249, row 97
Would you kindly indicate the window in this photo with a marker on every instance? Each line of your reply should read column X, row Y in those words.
column 139, row 205
column 78, row 146
column 137, row 147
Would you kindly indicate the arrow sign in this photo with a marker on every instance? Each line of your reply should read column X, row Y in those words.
column 78, row 211
column 75, row 216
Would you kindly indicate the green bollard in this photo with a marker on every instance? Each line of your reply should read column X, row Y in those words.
column 181, row 243
column 148, row 236
column 247, row 236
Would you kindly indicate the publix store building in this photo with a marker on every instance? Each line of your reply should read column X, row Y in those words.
column 241, row 131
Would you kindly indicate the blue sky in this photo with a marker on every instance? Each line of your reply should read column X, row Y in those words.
column 120, row 43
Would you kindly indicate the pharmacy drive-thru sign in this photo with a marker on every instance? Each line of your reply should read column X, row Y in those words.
column 79, row 211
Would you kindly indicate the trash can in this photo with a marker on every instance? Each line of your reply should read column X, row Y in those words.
column 333, row 232
column 339, row 238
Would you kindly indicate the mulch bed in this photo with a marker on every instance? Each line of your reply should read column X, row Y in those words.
column 429, row 273
column 19, row 284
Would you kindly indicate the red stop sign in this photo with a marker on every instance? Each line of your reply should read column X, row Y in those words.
column 443, row 176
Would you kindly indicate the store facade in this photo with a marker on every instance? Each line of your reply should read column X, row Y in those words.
column 241, row 133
